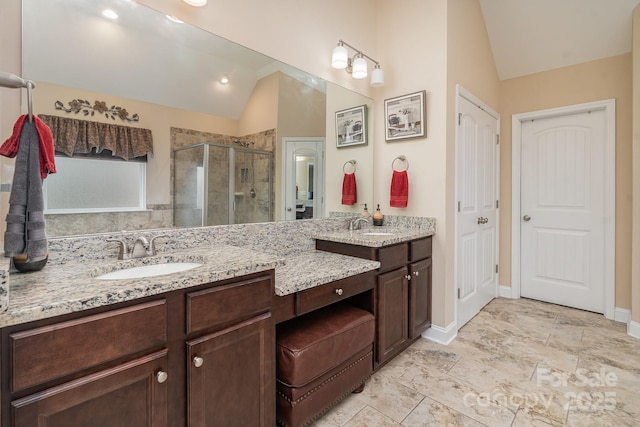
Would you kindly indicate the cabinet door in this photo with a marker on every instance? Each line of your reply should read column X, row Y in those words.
column 393, row 313
column 231, row 376
column 419, row 297
column 127, row 395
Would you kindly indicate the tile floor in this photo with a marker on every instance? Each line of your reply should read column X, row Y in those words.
column 517, row 363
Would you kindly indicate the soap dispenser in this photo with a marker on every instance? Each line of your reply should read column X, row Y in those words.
column 378, row 218
column 365, row 212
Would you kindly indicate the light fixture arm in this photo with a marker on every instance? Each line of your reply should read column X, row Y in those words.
column 358, row 52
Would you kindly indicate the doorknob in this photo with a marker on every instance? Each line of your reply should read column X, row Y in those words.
column 288, row 209
column 526, row 217
column 482, row 220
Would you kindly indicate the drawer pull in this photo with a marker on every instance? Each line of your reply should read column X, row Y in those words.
column 339, row 291
column 198, row 361
column 417, row 273
column 162, row 376
column 408, row 276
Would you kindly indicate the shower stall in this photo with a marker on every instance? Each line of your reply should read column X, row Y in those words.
column 216, row 184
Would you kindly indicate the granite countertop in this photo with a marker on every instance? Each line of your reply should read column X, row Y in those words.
column 382, row 236
column 72, row 287
column 313, row 268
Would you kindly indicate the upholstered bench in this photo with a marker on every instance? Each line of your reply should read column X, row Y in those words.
column 321, row 358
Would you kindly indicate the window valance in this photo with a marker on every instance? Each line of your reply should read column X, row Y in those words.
column 75, row 136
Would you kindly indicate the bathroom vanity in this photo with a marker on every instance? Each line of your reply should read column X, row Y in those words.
column 197, row 347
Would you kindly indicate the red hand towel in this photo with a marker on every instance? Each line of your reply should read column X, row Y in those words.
column 399, row 189
column 47, row 151
column 349, row 190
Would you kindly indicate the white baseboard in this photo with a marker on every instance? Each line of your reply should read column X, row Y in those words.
column 504, row 291
column 622, row 315
column 633, row 329
column 441, row 335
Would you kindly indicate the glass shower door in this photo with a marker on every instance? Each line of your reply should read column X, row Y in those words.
column 219, row 208
column 188, row 186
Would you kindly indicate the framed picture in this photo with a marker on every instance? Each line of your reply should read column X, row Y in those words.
column 351, row 127
column 405, row 116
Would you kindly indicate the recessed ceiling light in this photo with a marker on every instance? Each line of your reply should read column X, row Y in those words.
column 196, row 3
column 108, row 13
column 224, row 80
column 174, row 19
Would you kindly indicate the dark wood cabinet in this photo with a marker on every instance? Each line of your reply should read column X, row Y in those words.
column 134, row 364
column 402, row 294
column 419, row 297
column 231, row 376
column 392, row 314
column 130, row 394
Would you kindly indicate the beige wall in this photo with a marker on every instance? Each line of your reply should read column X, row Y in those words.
column 412, row 35
column 338, row 99
column 635, row 227
column 592, row 81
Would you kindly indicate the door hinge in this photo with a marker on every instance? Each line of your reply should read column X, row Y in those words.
column 459, row 119
column 497, row 139
column 497, row 204
column 458, row 293
column 458, row 206
column 496, row 268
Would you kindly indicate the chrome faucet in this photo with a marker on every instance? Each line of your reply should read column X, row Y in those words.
column 355, row 223
column 141, row 247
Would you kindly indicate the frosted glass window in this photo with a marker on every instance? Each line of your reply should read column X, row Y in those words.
column 94, row 185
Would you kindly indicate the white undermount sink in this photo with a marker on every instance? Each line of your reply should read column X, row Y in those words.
column 377, row 233
column 149, row 270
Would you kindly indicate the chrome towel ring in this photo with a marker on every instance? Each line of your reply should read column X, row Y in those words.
column 353, row 166
column 402, row 159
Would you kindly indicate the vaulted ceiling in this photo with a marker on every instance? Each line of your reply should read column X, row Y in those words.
column 529, row 36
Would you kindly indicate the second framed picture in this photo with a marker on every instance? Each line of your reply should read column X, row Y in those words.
column 351, row 126
column 405, row 116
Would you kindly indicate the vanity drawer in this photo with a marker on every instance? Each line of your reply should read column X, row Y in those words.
column 420, row 249
column 327, row 294
column 44, row 354
column 220, row 305
column 392, row 257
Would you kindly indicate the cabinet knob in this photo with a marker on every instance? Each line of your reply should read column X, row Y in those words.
column 339, row 291
column 162, row 376
column 198, row 361
column 417, row 273
column 408, row 277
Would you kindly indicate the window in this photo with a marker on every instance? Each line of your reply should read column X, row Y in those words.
column 95, row 185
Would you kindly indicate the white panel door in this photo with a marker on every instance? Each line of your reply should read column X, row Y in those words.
column 562, row 208
column 476, row 235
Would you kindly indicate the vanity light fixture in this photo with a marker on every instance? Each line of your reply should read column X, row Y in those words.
column 108, row 13
column 356, row 66
column 196, row 3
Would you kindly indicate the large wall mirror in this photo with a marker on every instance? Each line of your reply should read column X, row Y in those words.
column 170, row 74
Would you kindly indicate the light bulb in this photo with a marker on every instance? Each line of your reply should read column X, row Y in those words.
column 377, row 76
column 340, row 57
column 108, row 13
column 359, row 68
column 196, row 3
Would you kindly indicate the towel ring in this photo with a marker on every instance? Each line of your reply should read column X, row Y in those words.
column 352, row 163
column 402, row 159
